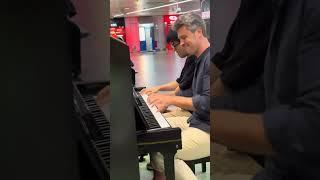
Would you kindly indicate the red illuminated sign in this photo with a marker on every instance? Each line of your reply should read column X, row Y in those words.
column 168, row 23
column 170, row 19
column 173, row 18
column 118, row 32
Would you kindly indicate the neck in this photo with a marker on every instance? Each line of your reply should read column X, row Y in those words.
column 203, row 45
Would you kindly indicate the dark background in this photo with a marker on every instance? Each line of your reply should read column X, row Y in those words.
column 37, row 132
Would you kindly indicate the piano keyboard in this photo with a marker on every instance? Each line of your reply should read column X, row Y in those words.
column 101, row 143
column 152, row 116
column 154, row 133
column 98, row 116
column 95, row 134
column 103, row 149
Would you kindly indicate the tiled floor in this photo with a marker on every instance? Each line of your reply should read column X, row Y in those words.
column 148, row 175
column 154, row 69
column 231, row 165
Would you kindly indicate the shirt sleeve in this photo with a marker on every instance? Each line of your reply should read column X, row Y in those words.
column 201, row 102
column 294, row 129
column 179, row 79
column 186, row 81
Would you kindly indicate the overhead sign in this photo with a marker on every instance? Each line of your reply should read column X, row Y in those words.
column 113, row 24
column 170, row 19
column 206, row 15
column 173, row 18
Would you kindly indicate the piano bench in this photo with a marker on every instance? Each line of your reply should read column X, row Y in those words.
column 203, row 161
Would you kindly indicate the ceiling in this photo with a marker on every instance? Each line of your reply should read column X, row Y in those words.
column 119, row 8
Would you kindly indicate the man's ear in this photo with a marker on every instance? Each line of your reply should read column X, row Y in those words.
column 199, row 32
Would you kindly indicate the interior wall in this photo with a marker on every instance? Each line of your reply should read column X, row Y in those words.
column 93, row 17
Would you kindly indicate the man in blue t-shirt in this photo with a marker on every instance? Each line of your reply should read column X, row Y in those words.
column 182, row 85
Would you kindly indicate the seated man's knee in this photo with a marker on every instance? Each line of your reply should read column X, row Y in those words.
column 183, row 171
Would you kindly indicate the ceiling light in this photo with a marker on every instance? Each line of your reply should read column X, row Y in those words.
column 118, row 15
column 189, row 11
column 158, row 7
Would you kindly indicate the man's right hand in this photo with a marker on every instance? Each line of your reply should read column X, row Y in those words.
column 149, row 91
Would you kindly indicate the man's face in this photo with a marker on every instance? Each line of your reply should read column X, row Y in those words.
column 189, row 40
column 179, row 49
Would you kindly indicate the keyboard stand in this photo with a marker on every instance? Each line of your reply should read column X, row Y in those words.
column 169, row 165
column 168, row 153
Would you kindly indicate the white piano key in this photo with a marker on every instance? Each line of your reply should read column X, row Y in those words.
column 157, row 115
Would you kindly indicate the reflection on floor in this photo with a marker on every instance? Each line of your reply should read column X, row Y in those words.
column 155, row 69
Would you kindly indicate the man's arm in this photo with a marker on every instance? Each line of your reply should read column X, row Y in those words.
column 291, row 128
column 171, row 86
column 162, row 101
column 176, row 91
column 199, row 102
column 241, row 131
column 215, row 73
column 182, row 102
column 217, row 86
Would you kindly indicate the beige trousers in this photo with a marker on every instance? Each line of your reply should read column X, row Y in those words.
column 195, row 145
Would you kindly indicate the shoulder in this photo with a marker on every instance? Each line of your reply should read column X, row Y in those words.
column 191, row 58
column 206, row 59
column 206, row 63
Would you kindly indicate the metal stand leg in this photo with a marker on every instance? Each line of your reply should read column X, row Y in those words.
column 169, row 165
column 204, row 167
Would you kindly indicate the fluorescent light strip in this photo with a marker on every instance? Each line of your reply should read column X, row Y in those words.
column 158, row 7
column 118, row 15
column 189, row 11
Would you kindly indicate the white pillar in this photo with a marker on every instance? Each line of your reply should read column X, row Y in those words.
column 159, row 32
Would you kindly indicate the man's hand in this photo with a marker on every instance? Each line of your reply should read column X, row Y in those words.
column 149, row 91
column 103, row 96
column 161, row 101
